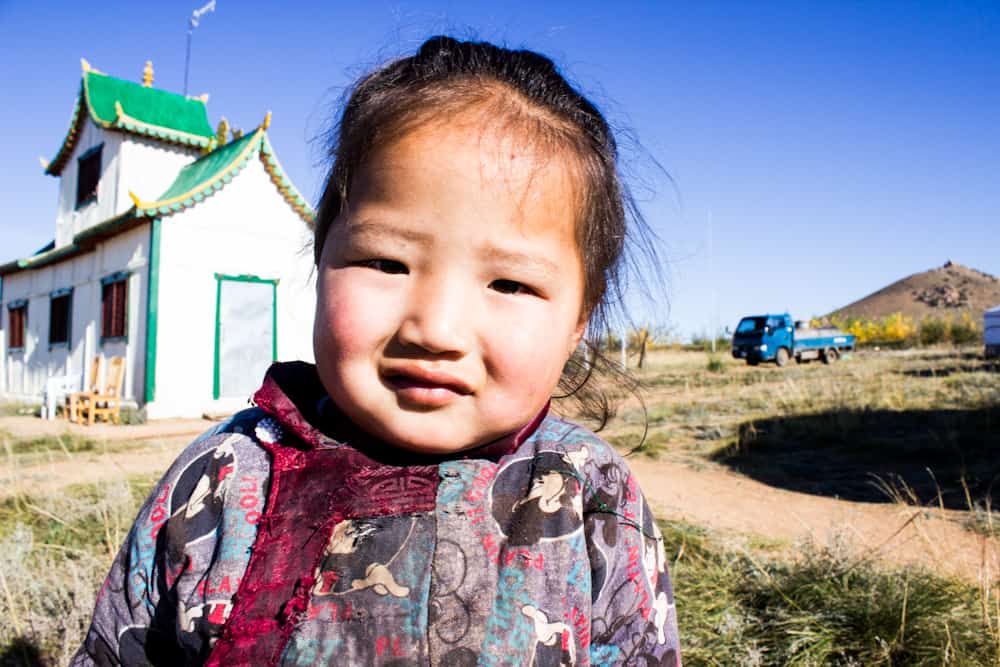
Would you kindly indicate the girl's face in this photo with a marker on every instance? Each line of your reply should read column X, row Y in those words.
column 450, row 291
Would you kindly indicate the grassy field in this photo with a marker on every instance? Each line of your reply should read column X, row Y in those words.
column 914, row 427
column 926, row 423
column 893, row 427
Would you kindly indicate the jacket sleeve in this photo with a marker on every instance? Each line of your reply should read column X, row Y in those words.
column 633, row 617
column 167, row 593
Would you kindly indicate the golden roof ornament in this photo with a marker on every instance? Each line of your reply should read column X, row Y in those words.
column 87, row 67
column 147, row 74
column 267, row 121
column 221, row 131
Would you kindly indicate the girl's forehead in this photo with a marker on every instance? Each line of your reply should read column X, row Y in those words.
column 448, row 184
column 490, row 155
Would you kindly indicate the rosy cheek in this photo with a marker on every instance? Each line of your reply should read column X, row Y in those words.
column 342, row 318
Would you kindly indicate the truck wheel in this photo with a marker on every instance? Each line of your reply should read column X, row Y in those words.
column 830, row 356
column 781, row 356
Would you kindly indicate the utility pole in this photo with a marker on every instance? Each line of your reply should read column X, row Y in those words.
column 624, row 335
column 192, row 24
column 714, row 326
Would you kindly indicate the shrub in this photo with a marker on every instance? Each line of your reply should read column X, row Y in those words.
column 933, row 330
column 964, row 331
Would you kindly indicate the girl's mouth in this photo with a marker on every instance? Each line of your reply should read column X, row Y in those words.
column 424, row 388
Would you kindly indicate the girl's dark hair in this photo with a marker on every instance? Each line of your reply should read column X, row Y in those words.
column 522, row 90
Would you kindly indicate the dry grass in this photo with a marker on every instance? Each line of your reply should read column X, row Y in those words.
column 55, row 553
column 825, row 608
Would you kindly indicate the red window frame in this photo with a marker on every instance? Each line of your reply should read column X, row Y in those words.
column 114, row 309
column 16, row 319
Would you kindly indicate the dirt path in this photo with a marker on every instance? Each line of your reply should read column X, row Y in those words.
column 88, row 468
column 724, row 501
column 709, row 496
column 132, row 450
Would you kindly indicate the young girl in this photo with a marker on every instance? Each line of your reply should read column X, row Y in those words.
column 409, row 499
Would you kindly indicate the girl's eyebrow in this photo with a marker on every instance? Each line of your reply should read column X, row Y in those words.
column 381, row 230
column 521, row 260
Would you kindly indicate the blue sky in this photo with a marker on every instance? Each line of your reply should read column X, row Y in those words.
column 831, row 148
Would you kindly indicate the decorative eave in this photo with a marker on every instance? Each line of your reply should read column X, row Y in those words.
column 284, row 184
column 126, row 123
column 83, row 242
column 254, row 145
column 122, row 122
column 56, row 164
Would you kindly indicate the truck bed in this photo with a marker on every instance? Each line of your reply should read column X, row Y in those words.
column 826, row 332
column 821, row 339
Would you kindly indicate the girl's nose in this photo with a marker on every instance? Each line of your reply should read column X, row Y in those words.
column 437, row 319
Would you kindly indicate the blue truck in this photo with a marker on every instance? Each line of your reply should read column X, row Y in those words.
column 778, row 338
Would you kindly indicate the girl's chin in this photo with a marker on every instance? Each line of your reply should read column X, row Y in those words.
column 436, row 447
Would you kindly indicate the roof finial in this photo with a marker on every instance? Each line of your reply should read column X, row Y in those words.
column 221, row 131
column 267, row 121
column 147, row 74
column 84, row 65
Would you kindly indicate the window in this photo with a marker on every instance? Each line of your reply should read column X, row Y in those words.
column 114, row 306
column 17, row 317
column 60, row 312
column 750, row 325
column 88, row 175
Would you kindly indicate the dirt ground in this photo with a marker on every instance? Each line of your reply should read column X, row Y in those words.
column 130, row 450
column 749, row 512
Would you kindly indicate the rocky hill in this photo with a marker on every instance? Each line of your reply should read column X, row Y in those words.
column 948, row 291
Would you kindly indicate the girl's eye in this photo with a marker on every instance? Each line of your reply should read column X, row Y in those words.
column 384, row 265
column 510, row 287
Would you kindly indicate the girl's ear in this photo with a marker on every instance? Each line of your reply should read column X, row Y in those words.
column 581, row 328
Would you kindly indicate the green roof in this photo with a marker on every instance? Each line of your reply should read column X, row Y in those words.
column 211, row 167
column 116, row 104
column 213, row 171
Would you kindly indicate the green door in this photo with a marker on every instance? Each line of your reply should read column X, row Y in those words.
column 245, row 333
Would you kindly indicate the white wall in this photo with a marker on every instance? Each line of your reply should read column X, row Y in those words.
column 246, row 228
column 128, row 163
column 69, row 219
column 149, row 167
column 25, row 372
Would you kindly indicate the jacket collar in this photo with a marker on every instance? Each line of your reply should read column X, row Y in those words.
column 293, row 394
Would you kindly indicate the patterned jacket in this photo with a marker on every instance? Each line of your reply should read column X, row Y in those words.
column 285, row 536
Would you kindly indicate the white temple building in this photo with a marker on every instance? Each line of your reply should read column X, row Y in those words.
column 177, row 247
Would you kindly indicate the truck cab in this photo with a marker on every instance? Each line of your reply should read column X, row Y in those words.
column 764, row 338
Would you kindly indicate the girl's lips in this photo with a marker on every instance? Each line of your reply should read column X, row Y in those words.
column 424, row 388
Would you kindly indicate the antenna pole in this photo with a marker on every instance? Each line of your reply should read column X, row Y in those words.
column 192, row 24
column 187, row 61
